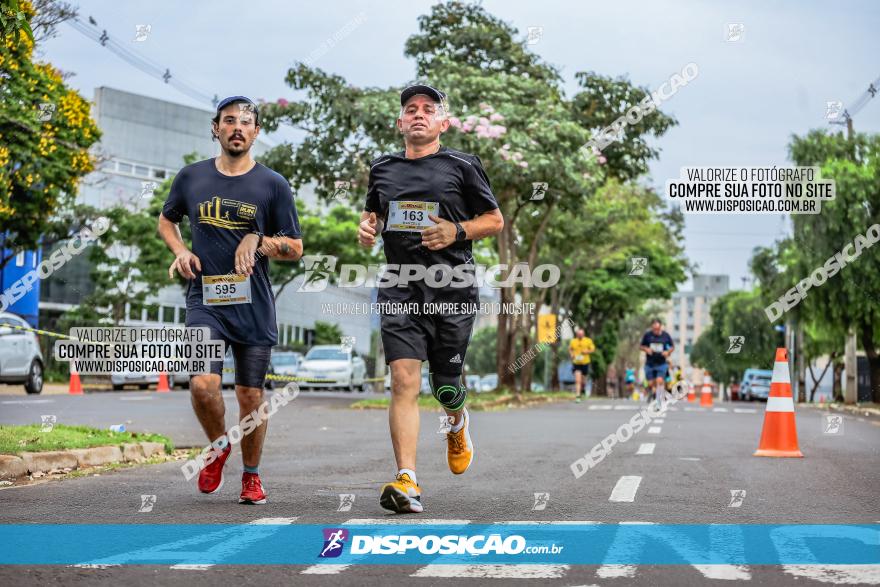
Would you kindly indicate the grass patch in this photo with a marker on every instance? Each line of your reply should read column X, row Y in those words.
column 30, row 438
column 495, row 400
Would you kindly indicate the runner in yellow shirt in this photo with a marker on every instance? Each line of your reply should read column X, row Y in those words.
column 579, row 349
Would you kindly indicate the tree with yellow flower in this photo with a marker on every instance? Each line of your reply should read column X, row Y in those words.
column 46, row 130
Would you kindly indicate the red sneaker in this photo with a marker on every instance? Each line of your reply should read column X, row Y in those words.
column 211, row 477
column 252, row 489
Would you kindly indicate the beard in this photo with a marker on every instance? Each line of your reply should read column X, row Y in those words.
column 236, row 150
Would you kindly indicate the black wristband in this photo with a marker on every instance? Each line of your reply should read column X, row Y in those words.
column 260, row 241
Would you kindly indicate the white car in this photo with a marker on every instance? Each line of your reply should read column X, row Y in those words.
column 332, row 366
column 20, row 358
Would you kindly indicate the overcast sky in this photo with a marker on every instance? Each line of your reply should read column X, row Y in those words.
column 749, row 98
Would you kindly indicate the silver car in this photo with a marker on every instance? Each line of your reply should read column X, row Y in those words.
column 332, row 366
column 286, row 363
column 20, row 358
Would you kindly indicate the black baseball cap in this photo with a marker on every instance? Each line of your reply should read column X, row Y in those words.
column 426, row 90
column 235, row 100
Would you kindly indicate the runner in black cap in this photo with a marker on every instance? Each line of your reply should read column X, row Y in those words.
column 241, row 213
column 428, row 202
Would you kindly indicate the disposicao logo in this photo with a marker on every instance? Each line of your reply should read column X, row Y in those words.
column 334, row 540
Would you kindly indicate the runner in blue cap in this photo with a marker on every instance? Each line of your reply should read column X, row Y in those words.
column 241, row 213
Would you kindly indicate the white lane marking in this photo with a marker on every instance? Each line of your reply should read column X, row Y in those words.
column 689, row 458
column 725, row 572
column 625, row 489
column 654, row 430
column 600, row 407
column 406, row 521
column 690, row 409
column 324, row 569
column 626, row 407
column 719, row 409
column 492, row 571
column 658, row 421
column 154, row 554
column 134, row 399
column 616, row 571
column 744, row 410
column 257, row 522
column 837, row 574
column 536, row 522
column 672, row 409
column 335, row 569
column 646, row 448
column 28, row 401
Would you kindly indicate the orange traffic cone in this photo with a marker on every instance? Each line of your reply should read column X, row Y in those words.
column 779, row 437
column 76, row 387
column 162, row 387
column 692, row 396
column 706, row 392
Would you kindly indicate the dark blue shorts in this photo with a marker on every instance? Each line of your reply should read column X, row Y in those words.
column 251, row 362
column 654, row 371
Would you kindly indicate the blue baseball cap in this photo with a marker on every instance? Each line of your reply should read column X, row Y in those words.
column 238, row 99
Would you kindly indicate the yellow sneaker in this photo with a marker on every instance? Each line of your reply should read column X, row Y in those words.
column 401, row 495
column 460, row 448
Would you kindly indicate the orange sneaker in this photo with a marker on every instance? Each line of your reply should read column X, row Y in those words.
column 460, row 447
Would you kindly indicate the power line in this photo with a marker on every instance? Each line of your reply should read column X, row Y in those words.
column 846, row 116
column 142, row 63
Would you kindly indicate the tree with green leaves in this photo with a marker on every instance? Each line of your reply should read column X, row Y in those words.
column 509, row 109
column 737, row 313
column 851, row 298
column 621, row 221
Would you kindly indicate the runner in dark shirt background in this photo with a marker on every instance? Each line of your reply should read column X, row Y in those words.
column 241, row 214
column 657, row 345
column 428, row 202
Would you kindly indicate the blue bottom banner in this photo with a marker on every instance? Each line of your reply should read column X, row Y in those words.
column 549, row 543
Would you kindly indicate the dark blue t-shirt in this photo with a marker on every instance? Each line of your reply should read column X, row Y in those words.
column 222, row 209
column 657, row 343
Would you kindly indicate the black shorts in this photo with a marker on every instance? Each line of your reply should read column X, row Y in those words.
column 585, row 369
column 251, row 362
column 442, row 340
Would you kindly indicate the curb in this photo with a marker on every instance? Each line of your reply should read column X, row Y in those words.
column 12, row 467
column 855, row 409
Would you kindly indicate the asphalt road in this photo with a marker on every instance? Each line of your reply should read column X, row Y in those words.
column 317, row 448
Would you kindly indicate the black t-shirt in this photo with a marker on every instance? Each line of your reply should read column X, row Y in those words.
column 458, row 183
column 222, row 209
column 657, row 343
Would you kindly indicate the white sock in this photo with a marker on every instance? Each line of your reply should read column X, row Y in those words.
column 460, row 424
column 411, row 473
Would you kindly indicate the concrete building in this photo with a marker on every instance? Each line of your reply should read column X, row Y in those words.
column 688, row 316
column 144, row 141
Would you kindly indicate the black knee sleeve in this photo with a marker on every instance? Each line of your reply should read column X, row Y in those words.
column 449, row 390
